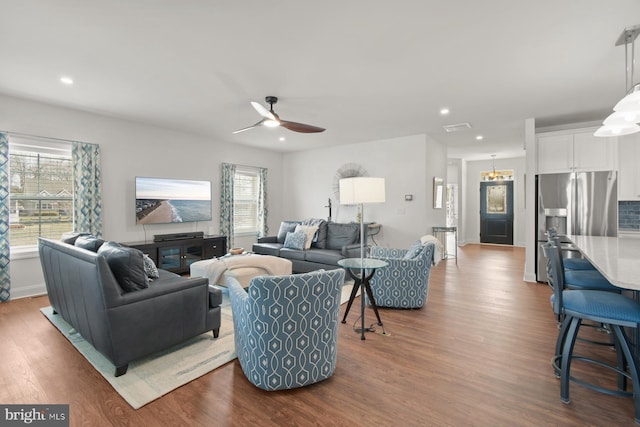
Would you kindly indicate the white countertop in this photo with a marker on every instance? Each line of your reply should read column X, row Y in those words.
column 617, row 258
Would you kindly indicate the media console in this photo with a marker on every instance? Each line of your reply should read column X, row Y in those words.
column 178, row 254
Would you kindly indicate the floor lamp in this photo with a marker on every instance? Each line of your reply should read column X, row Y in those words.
column 361, row 190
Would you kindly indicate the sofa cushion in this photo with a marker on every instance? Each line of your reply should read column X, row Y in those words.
column 310, row 231
column 267, row 248
column 339, row 235
column 126, row 265
column 292, row 254
column 286, row 227
column 88, row 242
column 324, row 256
column 295, row 240
column 164, row 274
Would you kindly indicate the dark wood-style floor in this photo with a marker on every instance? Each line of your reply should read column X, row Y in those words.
column 478, row 354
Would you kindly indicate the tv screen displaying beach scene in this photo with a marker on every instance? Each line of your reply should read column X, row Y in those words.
column 165, row 200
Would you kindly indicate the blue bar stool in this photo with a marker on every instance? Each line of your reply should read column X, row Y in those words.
column 570, row 263
column 609, row 308
column 584, row 279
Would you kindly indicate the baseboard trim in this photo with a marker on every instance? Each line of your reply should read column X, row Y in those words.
column 28, row 291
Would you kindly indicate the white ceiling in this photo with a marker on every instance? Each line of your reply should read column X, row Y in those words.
column 363, row 69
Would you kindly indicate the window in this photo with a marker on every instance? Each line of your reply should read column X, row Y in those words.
column 41, row 191
column 245, row 201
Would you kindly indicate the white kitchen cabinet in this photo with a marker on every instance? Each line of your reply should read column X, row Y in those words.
column 555, row 153
column 629, row 167
column 575, row 151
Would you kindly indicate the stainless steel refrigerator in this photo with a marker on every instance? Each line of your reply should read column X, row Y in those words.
column 575, row 203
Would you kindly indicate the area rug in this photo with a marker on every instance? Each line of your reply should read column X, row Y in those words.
column 148, row 379
column 152, row 377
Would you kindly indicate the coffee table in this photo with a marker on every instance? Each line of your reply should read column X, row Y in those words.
column 244, row 267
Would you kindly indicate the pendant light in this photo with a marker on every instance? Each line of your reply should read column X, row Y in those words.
column 492, row 175
column 626, row 115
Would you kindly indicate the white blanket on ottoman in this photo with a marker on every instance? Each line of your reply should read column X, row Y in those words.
column 245, row 267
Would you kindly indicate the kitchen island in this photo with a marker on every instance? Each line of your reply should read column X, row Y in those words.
column 617, row 258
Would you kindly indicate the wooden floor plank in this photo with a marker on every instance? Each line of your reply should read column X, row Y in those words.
column 478, row 354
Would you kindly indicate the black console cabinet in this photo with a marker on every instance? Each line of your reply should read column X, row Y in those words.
column 178, row 255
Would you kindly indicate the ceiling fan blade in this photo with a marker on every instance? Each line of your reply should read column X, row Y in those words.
column 300, row 127
column 249, row 127
column 263, row 111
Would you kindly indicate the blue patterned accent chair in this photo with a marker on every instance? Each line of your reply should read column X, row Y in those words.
column 286, row 327
column 404, row 283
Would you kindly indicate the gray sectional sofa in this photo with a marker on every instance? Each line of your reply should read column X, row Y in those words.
column 103, row 290
column 332, row 242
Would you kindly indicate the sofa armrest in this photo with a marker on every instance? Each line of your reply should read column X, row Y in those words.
column 268, row 239
column 239, row 299
column 215, row 296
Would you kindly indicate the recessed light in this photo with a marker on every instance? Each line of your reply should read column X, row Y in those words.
column 66, row 80
column 444, row 111
column 479, row 137
column 282, row 138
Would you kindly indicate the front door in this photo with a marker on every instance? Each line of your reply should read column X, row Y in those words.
column 496, row 212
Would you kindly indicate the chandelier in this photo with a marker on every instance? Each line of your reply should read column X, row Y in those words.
column 492, row 175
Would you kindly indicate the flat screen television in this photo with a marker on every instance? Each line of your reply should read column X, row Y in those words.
column 165, row 200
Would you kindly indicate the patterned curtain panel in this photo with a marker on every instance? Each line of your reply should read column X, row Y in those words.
column 87, row 209
column 226, row 202
column 263, row 211
column 5, row 278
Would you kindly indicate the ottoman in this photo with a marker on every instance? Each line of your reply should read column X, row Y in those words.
column 244, row 268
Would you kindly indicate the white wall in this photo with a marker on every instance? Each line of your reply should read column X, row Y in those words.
column 129, row 149
column 408, row 165
column 470, row 230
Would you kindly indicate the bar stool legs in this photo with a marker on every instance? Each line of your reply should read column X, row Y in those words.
column 626, row 365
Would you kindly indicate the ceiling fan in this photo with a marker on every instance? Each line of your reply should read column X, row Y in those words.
column 271, row 119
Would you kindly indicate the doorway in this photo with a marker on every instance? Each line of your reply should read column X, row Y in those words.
column 496, row 212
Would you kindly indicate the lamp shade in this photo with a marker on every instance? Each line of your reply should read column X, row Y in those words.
column 361, row 190
column 619, row 118
column 610, row 130
column 631, row 102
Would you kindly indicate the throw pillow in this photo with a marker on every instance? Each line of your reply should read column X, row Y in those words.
column 126, row 265
column 150, row 268
column 286, row 227
column 309, row 230
column 414, row 251
column 88, row 242
column 320, row 236
column 295, row 240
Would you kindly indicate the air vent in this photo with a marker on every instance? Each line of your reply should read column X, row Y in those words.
column 457, row 127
